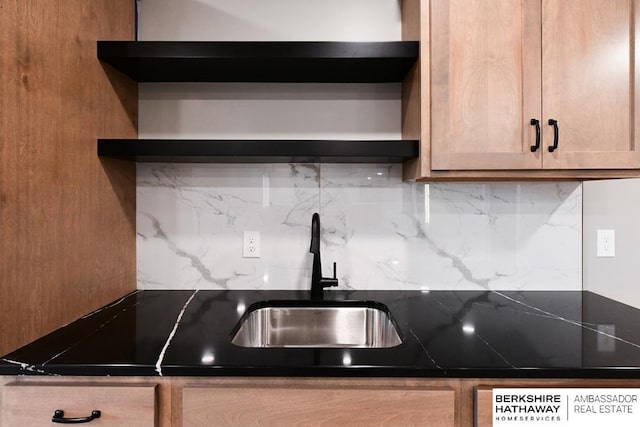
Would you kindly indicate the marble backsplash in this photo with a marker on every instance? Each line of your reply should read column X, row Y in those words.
column 382, row 232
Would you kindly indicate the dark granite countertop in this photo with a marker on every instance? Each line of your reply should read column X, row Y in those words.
column 445, row 334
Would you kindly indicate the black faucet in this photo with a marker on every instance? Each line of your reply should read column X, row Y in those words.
column 318, row 283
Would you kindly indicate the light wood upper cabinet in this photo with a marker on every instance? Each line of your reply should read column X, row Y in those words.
column 485, row 84
column 494, row 65
column 588, row 83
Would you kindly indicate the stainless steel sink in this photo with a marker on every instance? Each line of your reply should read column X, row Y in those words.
column 317, row 324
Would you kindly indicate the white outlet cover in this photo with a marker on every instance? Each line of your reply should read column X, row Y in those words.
column 606, row 341
column 251, row 244
column 605, row 243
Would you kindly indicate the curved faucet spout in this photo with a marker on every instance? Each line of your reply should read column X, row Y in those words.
column 315, row 234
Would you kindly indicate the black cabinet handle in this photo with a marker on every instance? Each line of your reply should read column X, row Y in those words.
column 58, row 417
column 536, row 123
column 556, row 135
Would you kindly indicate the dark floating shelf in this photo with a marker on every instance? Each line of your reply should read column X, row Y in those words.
column 295, row 62
column 258, row 151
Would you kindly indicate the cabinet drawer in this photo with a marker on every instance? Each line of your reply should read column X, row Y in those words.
column 300, row 405
column 34, row 405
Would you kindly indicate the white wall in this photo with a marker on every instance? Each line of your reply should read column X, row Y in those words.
column 277, row 20
column 269, row 111
column 383, row 233
column 240, row 110
column 613, row 205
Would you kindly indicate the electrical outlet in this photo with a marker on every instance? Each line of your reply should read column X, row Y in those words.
column 605, row 341
column 251, row 244
column 606, row 243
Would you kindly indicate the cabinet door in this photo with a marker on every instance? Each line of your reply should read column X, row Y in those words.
column 485, row 84
column 317, row 406
column 483, row 407
column 35, row 405
column 589, row 83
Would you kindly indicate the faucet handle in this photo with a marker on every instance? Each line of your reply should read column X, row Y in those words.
column 328, row 282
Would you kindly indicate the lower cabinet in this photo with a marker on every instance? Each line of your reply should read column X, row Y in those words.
column 32, row 404
column 483, row 407
column 318, row 405
column 265, row 401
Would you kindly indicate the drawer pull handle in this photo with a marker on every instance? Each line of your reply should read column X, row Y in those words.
column 58, row 417
column 556, row 135
column 536, row 123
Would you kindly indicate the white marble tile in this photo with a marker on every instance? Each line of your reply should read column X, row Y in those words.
column 389, row 234
column 382, row 232
column 190, row 220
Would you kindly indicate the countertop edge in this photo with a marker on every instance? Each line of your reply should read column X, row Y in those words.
column 333, row 372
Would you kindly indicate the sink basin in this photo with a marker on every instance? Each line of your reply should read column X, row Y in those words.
column 317, row 324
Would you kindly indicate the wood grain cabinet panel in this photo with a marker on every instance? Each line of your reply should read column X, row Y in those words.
column 497, row 64
column 483, row 407
column 34, row 405
column 485, row 84
column 589, row 83
column 67, row 219
column 317, row 406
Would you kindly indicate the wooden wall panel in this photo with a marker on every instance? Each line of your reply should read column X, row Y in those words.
column 416, row 107
column 67, row 220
